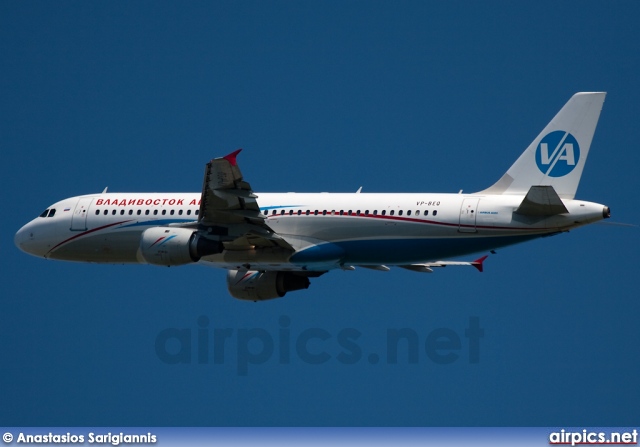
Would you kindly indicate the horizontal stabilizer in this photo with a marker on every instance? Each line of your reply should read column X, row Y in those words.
column 541, row 201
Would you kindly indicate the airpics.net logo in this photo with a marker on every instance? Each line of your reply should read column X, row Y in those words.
column 287, row 343
column 557, row 154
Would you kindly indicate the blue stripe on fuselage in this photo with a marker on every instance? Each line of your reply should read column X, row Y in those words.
column 403, row 251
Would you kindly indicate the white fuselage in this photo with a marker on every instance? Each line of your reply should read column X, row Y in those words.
column 327, row 230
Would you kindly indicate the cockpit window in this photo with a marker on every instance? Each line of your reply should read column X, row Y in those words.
column 52, row 212
column 44, row 213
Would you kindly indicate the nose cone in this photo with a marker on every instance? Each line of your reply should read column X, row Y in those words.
column 25, row 239
column 18, row 239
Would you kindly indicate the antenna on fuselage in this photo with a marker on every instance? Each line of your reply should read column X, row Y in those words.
column 359, row 190
column 105, row 190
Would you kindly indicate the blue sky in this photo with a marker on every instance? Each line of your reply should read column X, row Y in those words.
column 325, row 96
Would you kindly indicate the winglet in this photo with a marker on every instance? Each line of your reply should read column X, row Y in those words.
column 478, row 262
column 231, row 158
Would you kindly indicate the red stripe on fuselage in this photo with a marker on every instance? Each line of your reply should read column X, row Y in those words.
column 87, row 232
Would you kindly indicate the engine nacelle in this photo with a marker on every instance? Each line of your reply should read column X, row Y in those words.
column 175, row 246
column 258, row 286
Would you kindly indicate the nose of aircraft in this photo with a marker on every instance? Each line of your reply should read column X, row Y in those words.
column 25, row 240
column 20, row 238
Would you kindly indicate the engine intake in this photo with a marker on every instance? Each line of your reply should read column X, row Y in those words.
column 258, row 286
column 175, row 246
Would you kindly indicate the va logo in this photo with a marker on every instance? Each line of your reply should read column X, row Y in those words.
column 557, row 154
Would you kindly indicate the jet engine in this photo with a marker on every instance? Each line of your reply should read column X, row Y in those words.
column 175, row 246
column 258, row 286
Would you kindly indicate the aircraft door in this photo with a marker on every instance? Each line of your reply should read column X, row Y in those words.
column 468, row 212
column 79, row 218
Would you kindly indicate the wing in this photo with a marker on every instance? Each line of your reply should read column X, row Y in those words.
column 427, row 267
column 229, row 211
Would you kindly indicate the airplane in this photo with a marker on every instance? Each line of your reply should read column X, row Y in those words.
column 273, row 243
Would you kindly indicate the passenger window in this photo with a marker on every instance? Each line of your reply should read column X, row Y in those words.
column 324, row 212
column 308, row 212
column 391, row 212
column 180, row 212
column 130, row 212
column 366, row 212
column 426, row 212
column 113, row 213
column 97, row 212
column 105, row 212
column 44, row 213
column 341, row 212
column 164, row 212
column 384, row 212
column 299, row 212
column 282, row 213
column 171, row 212
column 290, row 212
column 197, row 212
column 400, row 213
column 139, row 212
column 188, row 212
column 375, row 212
column 349, row 212
column 435, row 212
column 417, row 212
column 121, row 212
column 408, row 212
column 52, row 212
column 146, row 212
column 155, row 212
column 315, row 213
column 358, row 213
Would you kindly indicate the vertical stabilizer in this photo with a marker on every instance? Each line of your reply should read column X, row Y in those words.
column 557, row 156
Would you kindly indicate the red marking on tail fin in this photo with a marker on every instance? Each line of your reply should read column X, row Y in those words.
column 231, row 158
column 478, row 262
